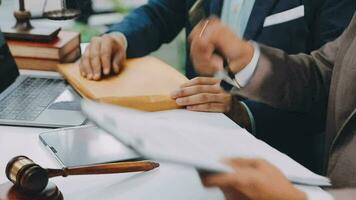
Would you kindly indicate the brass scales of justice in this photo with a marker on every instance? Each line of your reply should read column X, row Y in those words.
column 23, row 29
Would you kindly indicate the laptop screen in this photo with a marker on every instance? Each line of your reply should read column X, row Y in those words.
column 8, row 67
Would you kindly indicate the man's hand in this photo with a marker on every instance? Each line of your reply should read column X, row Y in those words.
column 203, row 94
column 212, row 36
column 254, row 180
column 104, row 55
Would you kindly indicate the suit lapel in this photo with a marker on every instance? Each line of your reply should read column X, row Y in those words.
column 260, row 11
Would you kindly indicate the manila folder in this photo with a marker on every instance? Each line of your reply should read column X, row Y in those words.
column 143, row 83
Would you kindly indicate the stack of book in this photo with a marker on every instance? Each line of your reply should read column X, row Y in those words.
column 45, row 56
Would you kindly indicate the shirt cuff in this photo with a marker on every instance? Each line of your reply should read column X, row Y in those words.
column 244, row 76
column 123, row 37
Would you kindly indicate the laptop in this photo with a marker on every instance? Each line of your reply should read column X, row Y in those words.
column 35, row 100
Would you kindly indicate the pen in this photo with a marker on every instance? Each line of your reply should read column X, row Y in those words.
column 226, row 74
column 204, row 28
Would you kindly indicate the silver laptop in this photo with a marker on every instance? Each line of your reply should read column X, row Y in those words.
column 34, row 100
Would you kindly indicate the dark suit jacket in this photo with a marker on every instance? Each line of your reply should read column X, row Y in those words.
column 296, row 82
column 159, row 21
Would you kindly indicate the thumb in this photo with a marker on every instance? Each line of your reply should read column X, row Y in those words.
column 244, row 163
column 239, row 179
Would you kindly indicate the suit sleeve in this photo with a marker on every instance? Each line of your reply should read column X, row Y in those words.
column 330, row 20
column 150, row 25
column 294, row 82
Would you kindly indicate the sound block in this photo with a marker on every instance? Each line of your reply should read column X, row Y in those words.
column 36, row 34
column 9, row 192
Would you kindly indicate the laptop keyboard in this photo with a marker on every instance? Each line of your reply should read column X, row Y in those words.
column 30, row 98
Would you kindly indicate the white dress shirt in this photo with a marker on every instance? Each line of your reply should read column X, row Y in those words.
column 236, row 13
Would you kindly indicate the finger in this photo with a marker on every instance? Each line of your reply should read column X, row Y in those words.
column 200, row 29
column 82, row 64
column 81, row 68
column 95, row 61
column 119, row 55
column 106, row 53
column 245, row 163
column 244, row 178
column 200, row 48
column 203, row 57
column 118, row 60
column 217, row 61
column 213, row 35
column 197, row 30
column 208, row 107
column 220, row 180
column 203, row 173
column 122, row 58
column 196, row 89
column 86, row 67
column 232, row 194
column 201, row 81
column 200, row 55
column 200, row 99
column 204, row 50
column 116, row 63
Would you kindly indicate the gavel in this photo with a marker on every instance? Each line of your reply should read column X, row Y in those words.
column 33, row 179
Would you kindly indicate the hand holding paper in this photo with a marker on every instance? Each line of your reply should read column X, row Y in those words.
column 191, row 138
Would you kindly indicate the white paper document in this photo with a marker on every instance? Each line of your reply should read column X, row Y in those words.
column 201, row 140
column 315, row 193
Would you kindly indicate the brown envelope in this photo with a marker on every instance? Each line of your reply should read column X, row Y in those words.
column 144, row 83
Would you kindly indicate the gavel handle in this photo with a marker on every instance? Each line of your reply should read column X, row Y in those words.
column 109, row 168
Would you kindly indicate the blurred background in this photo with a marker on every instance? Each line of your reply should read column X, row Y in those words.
column 96, row 17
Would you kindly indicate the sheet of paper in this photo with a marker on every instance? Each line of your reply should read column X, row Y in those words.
column 197, row 139
column 315, row 193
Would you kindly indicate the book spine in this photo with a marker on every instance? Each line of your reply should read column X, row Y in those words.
column 33, row 52
column 30, row 50
column 43, row 65
column 46, row 64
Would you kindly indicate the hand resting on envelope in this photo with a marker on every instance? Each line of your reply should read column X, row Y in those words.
column 203, row 94
column 103, row 56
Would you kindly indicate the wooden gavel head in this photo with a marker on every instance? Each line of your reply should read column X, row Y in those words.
column 27, row 175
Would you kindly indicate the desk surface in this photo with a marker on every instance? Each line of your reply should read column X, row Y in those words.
column 167, row 182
